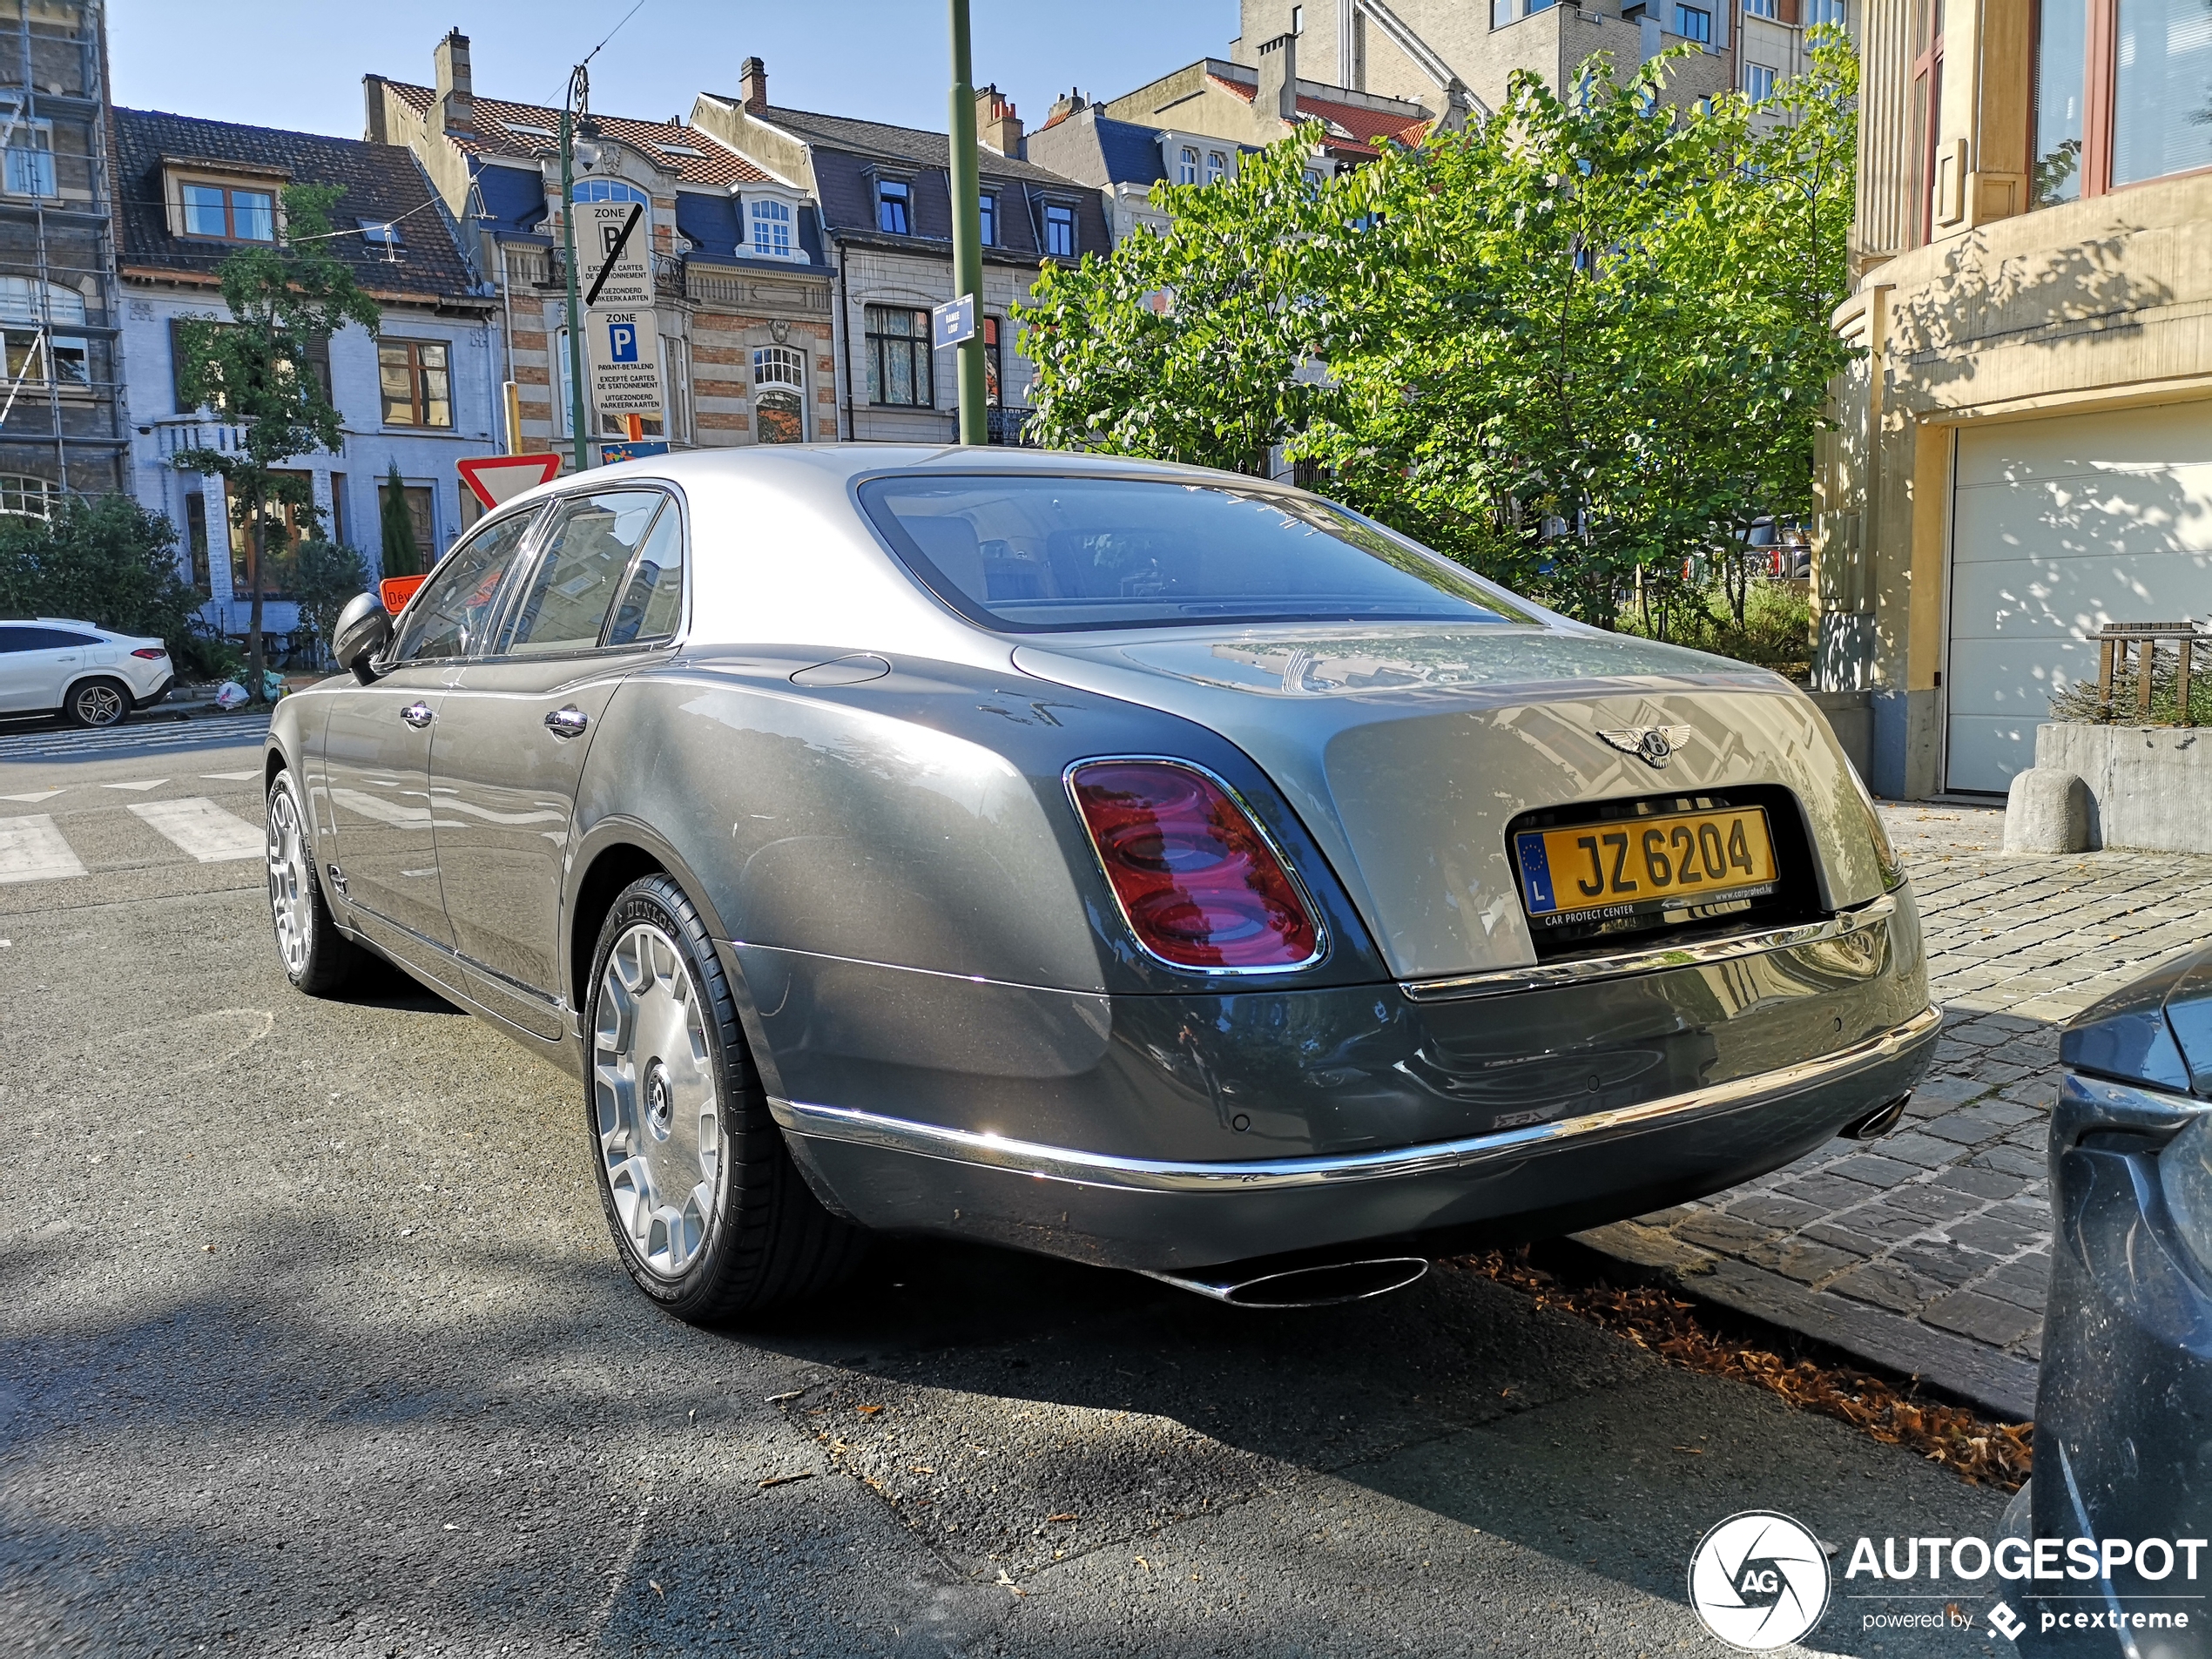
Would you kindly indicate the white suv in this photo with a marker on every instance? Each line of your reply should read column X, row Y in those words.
column 90, row 676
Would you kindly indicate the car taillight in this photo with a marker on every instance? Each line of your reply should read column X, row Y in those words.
column 151, row 653
column 1199, row 883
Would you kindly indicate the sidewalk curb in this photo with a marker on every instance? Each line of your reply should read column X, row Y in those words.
column 2001, row 1384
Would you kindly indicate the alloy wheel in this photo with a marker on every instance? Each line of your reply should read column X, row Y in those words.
column 290, row 889
column 99, row 706
column 658, row 1112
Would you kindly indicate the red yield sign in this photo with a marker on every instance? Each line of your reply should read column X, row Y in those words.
column 501, row 478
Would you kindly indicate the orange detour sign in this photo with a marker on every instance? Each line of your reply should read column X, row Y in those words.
column 494, row 479
column 396, row 590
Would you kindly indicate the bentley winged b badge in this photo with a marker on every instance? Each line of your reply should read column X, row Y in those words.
column 1654, row 744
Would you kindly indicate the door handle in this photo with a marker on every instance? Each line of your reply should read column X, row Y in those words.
column 418, row 715
column 567, row 723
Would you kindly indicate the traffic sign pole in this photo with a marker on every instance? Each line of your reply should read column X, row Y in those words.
column 967, row 231
column 577, row 422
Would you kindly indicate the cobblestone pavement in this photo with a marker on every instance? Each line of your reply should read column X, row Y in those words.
column 1929, row 1251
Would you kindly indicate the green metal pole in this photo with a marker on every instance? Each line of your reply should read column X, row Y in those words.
column 967, row 233
column 577, row 422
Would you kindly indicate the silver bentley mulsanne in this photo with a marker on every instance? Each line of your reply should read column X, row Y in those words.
column 1143, row 865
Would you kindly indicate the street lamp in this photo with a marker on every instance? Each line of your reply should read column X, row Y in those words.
column 967, row 233
column 579, row 145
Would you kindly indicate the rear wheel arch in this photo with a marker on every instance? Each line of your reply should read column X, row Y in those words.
column 612, row 868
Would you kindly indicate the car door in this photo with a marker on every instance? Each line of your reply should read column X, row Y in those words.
column 37, row 663
column 22, row 673
column 377, row 742
column 603, row 598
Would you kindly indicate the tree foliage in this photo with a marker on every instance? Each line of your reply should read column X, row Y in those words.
column 256, row 372
column 400, row 555
column 101, row 559
column 330, row 574
column 1582, row 341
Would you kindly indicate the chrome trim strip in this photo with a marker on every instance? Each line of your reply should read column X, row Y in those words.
column 1584, row 970
column 1148, row 1174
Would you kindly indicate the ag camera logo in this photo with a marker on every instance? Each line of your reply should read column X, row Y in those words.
column 1759, row 1580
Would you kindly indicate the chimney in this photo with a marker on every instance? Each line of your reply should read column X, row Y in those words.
column 752, row 86
column 1278, row 80
column 997, row 127
column 1068, row 103
column 456, row 94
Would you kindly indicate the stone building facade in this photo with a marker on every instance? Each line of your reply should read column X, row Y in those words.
column 62, row 431
column 2025, row 451
column 884, row 195
column 743, row 280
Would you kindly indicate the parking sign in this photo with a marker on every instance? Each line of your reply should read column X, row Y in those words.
column 625, row 351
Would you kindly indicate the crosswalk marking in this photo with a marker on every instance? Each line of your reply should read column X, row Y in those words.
column 201, row 828
column 204, row 732
column 34, row 795
column 138, row 783
column 231, row 777
column 32, row 849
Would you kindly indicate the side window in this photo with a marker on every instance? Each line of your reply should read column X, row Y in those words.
column 652, row 605
column 449, row 615
column 15, row 639
column 581, row 571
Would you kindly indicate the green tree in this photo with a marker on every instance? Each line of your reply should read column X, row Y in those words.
column 401, row 556
column 105, row 559
column 285, row 302
column 1575, row 346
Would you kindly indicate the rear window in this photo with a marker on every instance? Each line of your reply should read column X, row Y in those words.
column 1038, row 554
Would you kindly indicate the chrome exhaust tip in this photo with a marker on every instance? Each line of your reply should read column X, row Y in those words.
column 1878, row 1122
column 1304, row 1287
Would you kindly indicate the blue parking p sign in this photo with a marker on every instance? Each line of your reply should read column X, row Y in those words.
column 622, row 342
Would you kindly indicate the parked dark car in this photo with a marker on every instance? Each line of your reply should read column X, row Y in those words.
column 2123, row 1406
column 1154, row 867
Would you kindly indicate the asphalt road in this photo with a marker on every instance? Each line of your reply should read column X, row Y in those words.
column 312, row 1341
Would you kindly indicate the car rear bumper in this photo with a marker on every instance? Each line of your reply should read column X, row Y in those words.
column 1164, row 1214
column 1171, row 1132
column 161, row 690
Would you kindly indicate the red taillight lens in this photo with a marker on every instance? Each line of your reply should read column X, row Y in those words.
column 1198, row 882
column 151, row 653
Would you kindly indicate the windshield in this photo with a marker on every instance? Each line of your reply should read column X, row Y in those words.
column 1038, row 554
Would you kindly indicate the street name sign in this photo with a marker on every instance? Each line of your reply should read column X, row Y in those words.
column 624, row 349
column 494, row 479
column 615, row 255
column 954, row 323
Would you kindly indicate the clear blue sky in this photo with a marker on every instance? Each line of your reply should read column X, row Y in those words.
column 298, row 63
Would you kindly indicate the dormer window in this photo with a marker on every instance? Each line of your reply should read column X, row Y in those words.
column 229, row 213
column 608, row 190
column 895, row 207
column 1217, row 167
column 988, row 217
column 769, row 229
column 1060, row 230
column 1187, row 171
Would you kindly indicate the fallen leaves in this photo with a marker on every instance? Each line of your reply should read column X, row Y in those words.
column 1053, row 1519
column 1666, row 1325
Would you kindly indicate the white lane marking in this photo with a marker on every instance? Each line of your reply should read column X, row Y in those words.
column 35, row 795
column 231, row 776
column 32, row 849
column 142, row 783
column 201, row 828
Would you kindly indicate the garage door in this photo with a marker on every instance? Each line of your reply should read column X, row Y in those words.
column 2061, row 526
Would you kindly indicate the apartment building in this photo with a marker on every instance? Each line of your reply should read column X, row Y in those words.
column 418, row 396
column 742, row 274
column 2026, row 451
column 885, row 196
column 61, row 421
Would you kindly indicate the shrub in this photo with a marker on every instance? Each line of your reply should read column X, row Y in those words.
column 329, row 575
column 1776, row 633
column 104, row 560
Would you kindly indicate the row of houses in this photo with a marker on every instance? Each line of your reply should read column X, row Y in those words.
column 796, row 254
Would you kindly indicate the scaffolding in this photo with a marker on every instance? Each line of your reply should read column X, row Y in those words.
column 65, row 430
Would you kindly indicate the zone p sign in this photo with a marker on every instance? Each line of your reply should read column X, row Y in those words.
column 614, row 255
column 625, row 350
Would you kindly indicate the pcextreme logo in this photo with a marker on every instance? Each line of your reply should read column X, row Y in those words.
column 1759, row 1580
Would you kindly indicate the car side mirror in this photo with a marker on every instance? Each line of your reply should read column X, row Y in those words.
column 364, row 629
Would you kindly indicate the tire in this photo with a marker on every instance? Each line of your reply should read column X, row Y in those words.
column 97, row 702
column 316, row 957
column 711, row 1218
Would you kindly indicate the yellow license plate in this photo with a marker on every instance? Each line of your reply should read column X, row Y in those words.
column 1639, row 863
